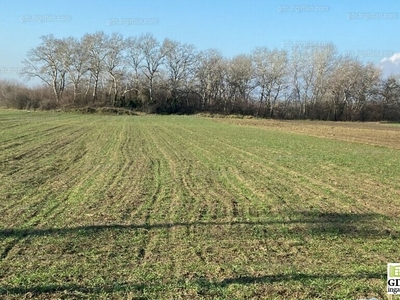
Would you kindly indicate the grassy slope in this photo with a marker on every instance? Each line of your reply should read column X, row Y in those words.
column 104, row 207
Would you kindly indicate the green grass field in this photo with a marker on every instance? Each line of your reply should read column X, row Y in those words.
column 174, row 207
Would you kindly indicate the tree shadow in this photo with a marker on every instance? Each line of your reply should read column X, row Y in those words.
column 202, row 283
column 295, row 277
column 367, row 225
column 301, row 223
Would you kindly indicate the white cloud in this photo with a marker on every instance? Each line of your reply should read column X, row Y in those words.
column 394, row 59
column 390, row 65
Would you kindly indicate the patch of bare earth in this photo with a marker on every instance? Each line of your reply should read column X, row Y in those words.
column 368, row 133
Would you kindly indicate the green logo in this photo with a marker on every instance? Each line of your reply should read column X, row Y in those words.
column 394, row 270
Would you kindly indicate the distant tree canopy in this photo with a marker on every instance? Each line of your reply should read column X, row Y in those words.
column 142, row 73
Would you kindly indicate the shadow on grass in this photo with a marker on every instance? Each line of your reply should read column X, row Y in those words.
column 71, row 288
column 203, row 284
column 295, row 277
column 300, row 223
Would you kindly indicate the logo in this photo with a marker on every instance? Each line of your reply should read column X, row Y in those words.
column 393, row 278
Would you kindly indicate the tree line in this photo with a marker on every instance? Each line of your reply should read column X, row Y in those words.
column 142, row 73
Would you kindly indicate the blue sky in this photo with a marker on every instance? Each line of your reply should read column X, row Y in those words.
column 368, row 29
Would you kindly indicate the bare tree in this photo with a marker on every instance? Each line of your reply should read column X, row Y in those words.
column 302, row 72
column 364, row 90
column 271, row 68
column 75, row 62
column 211, row 77
column 240, row 75
column 114, row 64
column 341, row 83
column 45, row 63
column 96, row 47
column 153, row 58
column 134, row 58
column 323, row 60
column 389, row 98
column 311, row 81
column 352, row 85
column 179, row 62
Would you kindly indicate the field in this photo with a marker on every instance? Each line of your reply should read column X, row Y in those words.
column 177, row 207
